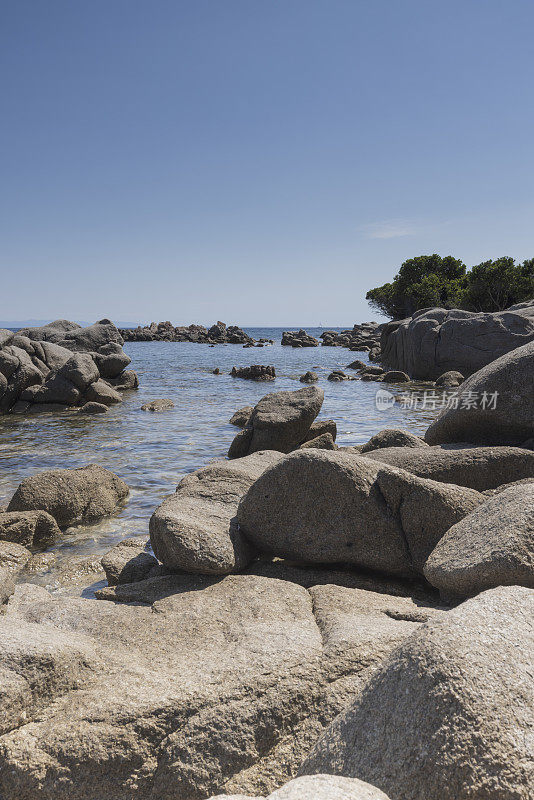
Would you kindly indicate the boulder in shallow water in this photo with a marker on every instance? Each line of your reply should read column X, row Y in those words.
column 94, row 408
column 195, row 529
column 241, row 416
column 280, row 421
column 102, row 392
column 163, row 404
column 492, row 546
column 449, row 715
column 71, row 495
column 309, row 377
column 450, row 379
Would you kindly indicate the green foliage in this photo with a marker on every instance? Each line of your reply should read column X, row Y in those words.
column 432, row 281
column 422, row 282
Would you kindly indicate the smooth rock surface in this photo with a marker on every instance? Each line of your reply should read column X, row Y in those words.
column 492, row 546
column 479, row 468
column 508, row 420
column 71, row 495
column 335, row 508
column 449, row 714
column 318, row 787
column 195, row 529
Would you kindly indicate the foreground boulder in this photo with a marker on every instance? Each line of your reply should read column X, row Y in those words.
column 170, row 701
column 280, row 421
column 504, row 409
column 333, row 508
column 434, row 341
column 450, row 713
column 318, row 787
column 492, row 546
column 479, row 468
column 195, row 529
column 28, row 528
column 71, row 495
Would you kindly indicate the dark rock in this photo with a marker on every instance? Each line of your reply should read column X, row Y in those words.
column 256, row 372
column 94, row 408
column 309, row 377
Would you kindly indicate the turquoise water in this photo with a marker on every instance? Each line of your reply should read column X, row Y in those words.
column 152, row 452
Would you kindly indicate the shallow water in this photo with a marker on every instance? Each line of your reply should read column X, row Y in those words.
column 152, row 452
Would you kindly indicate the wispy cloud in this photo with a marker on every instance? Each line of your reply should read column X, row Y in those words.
column 389, row 229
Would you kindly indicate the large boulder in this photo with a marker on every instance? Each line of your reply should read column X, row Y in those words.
column 502, row 411
column 28, row 528
column 195, row 529
column 434, row 341
column 318, row 787
column 74, row 337
column 174, row 700
column 71, row 495
column 280, row 421
column 479, row 468
column 492, row 546
column 449, row 714
column 325, row 507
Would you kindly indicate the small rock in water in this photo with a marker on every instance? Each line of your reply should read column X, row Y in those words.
column 93, row 408
column 396, row 376
column 163, row 404
column 309, row 377
column 216, row 371
column 256, row 372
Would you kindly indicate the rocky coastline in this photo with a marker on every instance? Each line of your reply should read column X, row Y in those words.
column 300, row 620
column 167, row 332
column 63, row 365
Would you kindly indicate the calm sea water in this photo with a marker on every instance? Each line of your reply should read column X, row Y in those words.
column 152, row 452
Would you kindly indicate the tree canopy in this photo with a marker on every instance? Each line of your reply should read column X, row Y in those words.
column 430, row 281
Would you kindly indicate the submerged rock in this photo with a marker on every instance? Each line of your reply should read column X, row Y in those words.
column 163, row 404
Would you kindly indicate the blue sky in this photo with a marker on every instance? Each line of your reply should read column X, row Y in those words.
column 256, row 161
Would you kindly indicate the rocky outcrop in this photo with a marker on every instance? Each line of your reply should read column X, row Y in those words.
column 196, row 530
column 493, row 546
column 280, row 421
column 167, row 332
column 501, row 410
column 449, row 714
column 318, row 787
column 299, row 339
column 256, row 372
column 360, row 338
column 434, row 341
column 479, row 468
column 71, row 495
column 333, row 508
column 39, row 370
column 28, row 528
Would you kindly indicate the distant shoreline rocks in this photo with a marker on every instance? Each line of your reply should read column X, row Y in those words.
column 219, row 333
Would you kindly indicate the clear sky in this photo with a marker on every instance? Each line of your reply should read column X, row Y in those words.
column 255, row 161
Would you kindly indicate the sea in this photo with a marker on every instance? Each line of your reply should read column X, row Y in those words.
column 153, row 451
